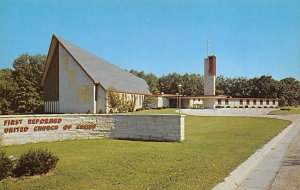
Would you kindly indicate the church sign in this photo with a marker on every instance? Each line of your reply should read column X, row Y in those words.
column 40, row 128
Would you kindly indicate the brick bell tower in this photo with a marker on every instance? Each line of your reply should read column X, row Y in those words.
column 210, row 81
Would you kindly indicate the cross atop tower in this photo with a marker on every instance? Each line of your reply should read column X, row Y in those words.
column 207, row 46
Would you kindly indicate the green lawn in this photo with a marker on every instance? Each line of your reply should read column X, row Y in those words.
column 214, row 146
column 292, row 110
column 157, row 111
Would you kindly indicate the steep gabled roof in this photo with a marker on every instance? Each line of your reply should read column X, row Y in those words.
column 101, row 71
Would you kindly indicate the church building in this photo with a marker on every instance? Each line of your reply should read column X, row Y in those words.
column 76, row 81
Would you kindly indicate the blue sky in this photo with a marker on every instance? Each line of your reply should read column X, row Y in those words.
column 250, row 38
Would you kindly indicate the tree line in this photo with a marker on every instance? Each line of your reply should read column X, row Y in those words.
column 21, row 93
column 287, row 89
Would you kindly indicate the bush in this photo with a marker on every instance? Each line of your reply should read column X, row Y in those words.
column 227, row 106
column 6, row 166
column 288, row 109
column 35, row 162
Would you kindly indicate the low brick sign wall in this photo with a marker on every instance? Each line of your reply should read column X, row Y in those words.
column 21, row 129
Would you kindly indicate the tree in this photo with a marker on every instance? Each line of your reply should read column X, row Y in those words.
column 27, row 75
column 192, row 84
column 169, row 83
column 149, row 100
column 264, row 87
column 223, row 85
column 115, row 102
column 150, row 79
column 7, row 93
column 289, row 92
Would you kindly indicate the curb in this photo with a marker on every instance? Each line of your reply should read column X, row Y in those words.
column 238, row 175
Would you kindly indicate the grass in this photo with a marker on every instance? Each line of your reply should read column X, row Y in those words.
column 287, row 110
column 157, row 111
column 214, row 146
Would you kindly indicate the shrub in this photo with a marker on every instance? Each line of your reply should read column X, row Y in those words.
column 6, row 166
column 288, row 109
column 123, row 109
column 265, row 106
column 35, row 162
column 227, row 106
column 241, row 106
column 253, row 106
column 235, row 107
column 100, row 111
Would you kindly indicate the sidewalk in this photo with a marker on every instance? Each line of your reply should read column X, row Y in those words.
column 288, row 176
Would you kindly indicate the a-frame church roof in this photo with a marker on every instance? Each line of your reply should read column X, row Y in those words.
column 99, row 70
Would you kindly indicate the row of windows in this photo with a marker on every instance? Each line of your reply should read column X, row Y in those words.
column 248, row 102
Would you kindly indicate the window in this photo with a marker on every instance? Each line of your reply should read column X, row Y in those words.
column 219, row 101
column 254, row 102
column 241, row 102
column 261, row 102
column 96, row 93
column 274, row 102
column 267, row 102
column 248, row 102
column 226, row 102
